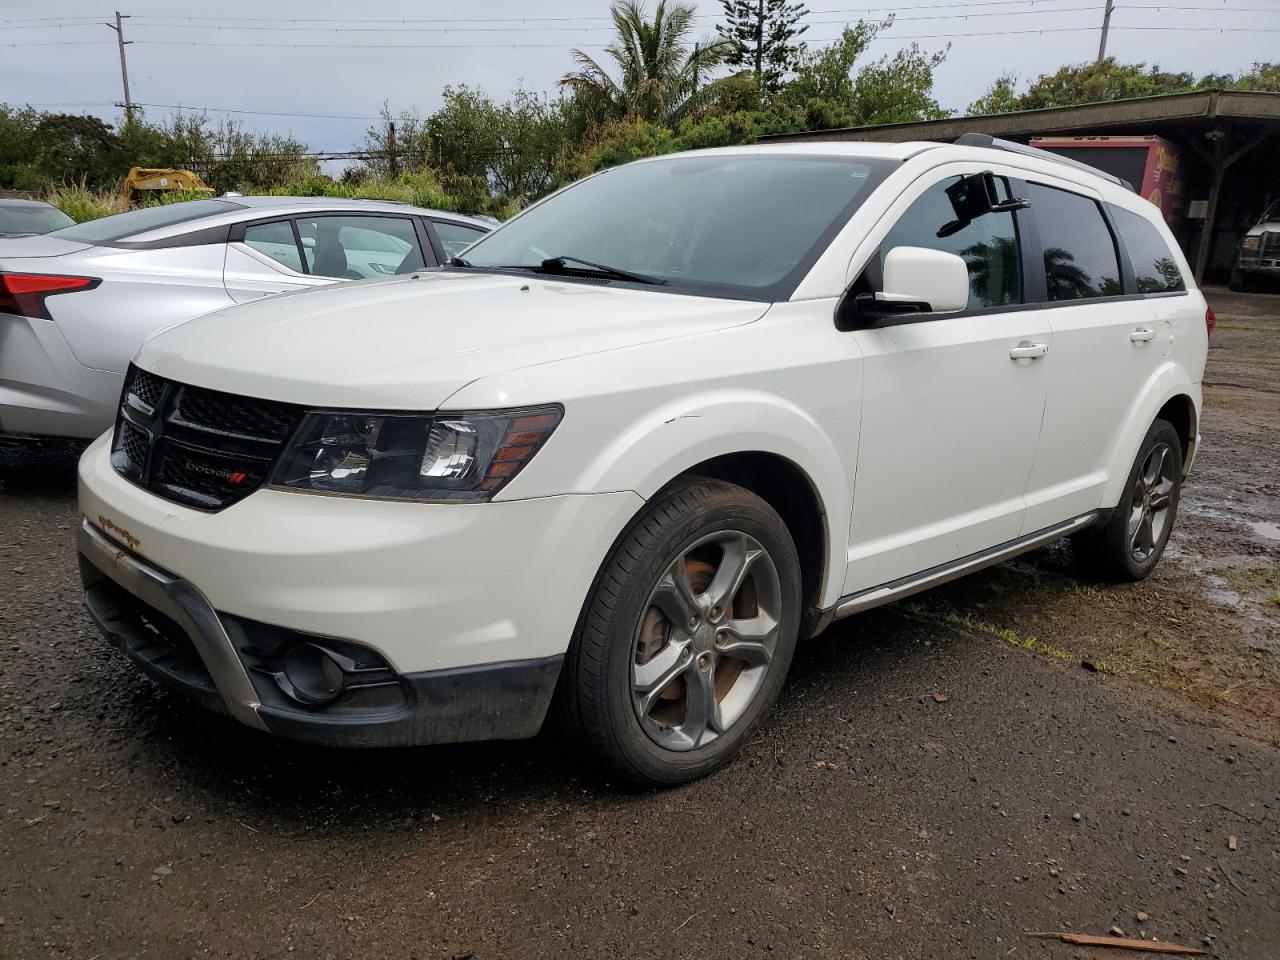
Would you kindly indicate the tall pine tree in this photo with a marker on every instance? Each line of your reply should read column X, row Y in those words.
column 764, row 36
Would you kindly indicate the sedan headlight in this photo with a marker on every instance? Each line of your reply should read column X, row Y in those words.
column 450, row 456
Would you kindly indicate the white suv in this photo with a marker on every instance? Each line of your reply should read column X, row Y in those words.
column 640, row 440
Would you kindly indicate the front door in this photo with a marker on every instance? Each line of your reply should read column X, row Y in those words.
column 951, row 406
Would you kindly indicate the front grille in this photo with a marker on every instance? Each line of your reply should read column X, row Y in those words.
column 1269, row 248
column 195, row 446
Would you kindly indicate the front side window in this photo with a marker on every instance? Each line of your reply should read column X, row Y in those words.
column 1080, row 260
column 456, row 237
column 1154, row 266
column 988, row 245
column 737, row 225
column 357, row 248
column 275, row 240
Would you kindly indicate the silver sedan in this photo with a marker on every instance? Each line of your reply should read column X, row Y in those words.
column 75, row 304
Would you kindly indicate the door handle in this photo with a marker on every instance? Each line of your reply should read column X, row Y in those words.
column 1142, row 335
column 1027, row 350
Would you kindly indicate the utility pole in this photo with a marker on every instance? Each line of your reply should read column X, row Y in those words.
column 1106, row 24
column 118, row 27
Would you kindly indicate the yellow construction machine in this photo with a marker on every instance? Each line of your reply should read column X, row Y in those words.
column 143, row 182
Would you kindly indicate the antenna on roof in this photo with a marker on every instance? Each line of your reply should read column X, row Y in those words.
column 994, row 143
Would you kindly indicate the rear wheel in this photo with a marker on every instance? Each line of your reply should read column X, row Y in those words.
column 1130, row 544
column 687, row 635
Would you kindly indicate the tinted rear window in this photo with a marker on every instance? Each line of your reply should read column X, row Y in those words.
column 1153, row 262
column 31, row 218
column 121, row 226
column 1079, row 252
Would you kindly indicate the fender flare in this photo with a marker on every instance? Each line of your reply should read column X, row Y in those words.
column 1169, row 381
column 668, row 440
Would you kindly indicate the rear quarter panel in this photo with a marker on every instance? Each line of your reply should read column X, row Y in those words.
column 141, row 292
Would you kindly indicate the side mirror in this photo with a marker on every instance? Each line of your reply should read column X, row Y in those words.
column 916, row 280
column 309, row 242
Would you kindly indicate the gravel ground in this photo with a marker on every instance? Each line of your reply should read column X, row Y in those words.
column 940, row 776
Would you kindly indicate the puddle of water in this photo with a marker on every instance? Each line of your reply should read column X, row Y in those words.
column 1268, row 531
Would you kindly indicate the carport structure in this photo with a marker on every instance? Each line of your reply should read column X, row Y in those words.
column 1220, row 133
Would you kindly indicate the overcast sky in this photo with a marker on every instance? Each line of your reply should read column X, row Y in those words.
column 75, row 66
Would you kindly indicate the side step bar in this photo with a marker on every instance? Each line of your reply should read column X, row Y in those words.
column 943, row 573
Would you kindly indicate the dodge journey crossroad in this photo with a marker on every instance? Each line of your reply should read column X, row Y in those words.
column 615, row 459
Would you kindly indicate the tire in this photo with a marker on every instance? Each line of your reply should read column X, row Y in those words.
column 1239, row 282
column 651, row 684
column 1129, row 545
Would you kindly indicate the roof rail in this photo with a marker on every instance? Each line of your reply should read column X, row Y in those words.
column 994, row 143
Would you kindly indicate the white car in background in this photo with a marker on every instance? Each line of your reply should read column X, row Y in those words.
column 76, row 303
column 642, row 438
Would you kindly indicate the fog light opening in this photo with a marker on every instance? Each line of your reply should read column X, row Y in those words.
column 315, row 676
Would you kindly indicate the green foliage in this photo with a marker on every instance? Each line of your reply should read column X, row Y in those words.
column 1000, row 97
column 1106, row 80
column 1263, row 76
column 763, row 36
column 621, row 142
column 830, row 89
column 80, row 203
column 661, row 79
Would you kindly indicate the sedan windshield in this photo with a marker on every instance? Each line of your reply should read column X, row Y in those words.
column 735, row 225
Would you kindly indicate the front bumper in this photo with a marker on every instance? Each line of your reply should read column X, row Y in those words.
column 169, row 629
column 465, row 611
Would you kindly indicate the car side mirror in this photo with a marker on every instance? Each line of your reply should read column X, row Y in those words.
column 309, row 242
column 917, row 280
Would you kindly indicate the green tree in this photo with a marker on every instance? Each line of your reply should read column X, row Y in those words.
column 513, row 147
column 397, row 144
column 832, row 90
column 1262, row 76
column 1105, row 80
column 763, row 37
column 1000, row 97
column 661, row 78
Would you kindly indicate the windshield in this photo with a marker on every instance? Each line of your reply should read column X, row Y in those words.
column 26, row 218
column 745, row 226
column 122, row 225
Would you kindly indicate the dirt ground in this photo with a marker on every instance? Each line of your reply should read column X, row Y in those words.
column 868, row 818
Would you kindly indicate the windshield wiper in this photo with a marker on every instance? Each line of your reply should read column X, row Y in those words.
column 459, row 262
column 563, row 265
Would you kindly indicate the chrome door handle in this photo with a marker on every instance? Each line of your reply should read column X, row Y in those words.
column 1142, row 335
column 1027, row 350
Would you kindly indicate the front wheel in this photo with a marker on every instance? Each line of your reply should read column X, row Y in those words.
column 1130, row 544
column 687, row 635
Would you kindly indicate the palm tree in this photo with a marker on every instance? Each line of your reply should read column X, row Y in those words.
column 661, row 80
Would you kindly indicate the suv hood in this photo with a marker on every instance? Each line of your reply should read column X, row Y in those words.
column 1263, row 226
column 412, row 342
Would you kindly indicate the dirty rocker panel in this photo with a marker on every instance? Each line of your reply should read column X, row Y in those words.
column 943, row 573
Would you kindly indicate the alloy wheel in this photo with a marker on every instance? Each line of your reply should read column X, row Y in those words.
column 706, row 640
column 1149, row 515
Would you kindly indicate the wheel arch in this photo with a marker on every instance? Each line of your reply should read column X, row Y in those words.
column 769, row 444
column 1170, row 394
column 783, row 485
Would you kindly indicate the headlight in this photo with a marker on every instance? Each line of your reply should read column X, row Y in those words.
column 1250, row 244
column 462, row 456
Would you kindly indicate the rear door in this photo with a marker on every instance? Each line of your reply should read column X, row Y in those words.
column 950, row 418
column 266, row 257
column 1106, row 343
